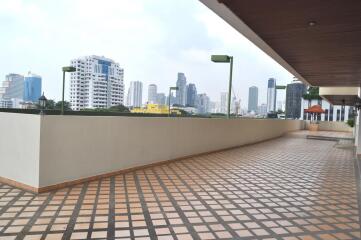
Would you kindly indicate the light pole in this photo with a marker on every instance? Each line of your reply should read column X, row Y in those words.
column 170, row 91
column 226, row 59
column 65, row 69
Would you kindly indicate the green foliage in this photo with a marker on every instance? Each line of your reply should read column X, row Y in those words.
column 52, row 105
column 118, row 109
column 67, row 106
column 312, row 93
column 351, row 122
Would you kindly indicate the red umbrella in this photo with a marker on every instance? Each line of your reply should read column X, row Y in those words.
column 315, row 109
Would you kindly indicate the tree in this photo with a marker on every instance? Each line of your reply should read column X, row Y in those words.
column 67, row 106
column 50, row 105
column 119, row 108
column 312, row 93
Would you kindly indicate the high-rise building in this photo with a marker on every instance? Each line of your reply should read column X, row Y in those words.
column 253, row 99
column 181, row 94
column 224, row 102
column 262, row 109
column 203, row 102
column 171, row 99
column 191, row 95
column 152, row 93
column 161, row 99
column 96, row 83
column 32, row 87
column 236, row 104
column 135, row 94
column 271, row 95
column 294, row 95
column 12, row 87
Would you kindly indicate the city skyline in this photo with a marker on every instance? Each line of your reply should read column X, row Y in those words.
column 136, row 21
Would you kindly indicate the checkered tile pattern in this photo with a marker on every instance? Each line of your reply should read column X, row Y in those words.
column 288, row 188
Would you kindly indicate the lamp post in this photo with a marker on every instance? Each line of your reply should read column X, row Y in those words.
column 226, row 59
column 65, row 69
column 42, row 103
column 170, row 91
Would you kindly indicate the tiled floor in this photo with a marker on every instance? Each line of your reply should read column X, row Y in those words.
column 288, row 188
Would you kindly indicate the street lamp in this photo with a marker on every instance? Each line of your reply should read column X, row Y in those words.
column 226, row 59
column 170, row 91
column 42, row 103
column 65, row 69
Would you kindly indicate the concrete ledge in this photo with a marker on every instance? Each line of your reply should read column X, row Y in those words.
column 68, row 150
column 106, row 175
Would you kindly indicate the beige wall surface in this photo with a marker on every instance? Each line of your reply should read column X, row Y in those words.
column 75, row 147
column 332, row 126
column 19, row 147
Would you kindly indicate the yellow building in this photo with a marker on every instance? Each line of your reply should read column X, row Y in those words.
column 155, row 109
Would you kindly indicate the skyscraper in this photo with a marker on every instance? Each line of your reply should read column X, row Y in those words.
column 171, row 99
column 97, row 83
column 294, row 94
column 262, row 109
column 161, row 99
column 191, row 95
column 253, row 99
column 271, row 95
column 203, row 102
column 135, row 94
column 152, row 93
column 32, row 87
column 12, row 87
column 181, row 94
column 224, row 102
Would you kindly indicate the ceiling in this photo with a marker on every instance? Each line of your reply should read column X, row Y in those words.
column 326, row 54
column 348, row 100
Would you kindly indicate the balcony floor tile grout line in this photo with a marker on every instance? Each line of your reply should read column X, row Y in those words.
column 10, row 203
column 127, row 202
column 24, row 207
column 146, row 214
column 53, row 218
column 159, row 203
column 184, row 218
column 93, row 214
column 214, row 213
column 111, row 212
column 182, row 163
column 33, row 219
column 70, row 227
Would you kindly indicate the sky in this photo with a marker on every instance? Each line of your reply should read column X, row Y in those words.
column 152, row 40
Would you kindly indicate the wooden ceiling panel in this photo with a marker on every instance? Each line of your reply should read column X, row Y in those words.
column 326, row 54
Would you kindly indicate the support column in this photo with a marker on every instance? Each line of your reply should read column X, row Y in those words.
column 358, row 134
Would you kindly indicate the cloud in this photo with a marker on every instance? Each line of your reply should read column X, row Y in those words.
column 151, row 39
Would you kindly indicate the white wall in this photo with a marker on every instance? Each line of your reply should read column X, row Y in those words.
column 332, row 126
column 19, row 147
column 74, row 147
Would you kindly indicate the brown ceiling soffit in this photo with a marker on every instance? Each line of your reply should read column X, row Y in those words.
column 321, row 40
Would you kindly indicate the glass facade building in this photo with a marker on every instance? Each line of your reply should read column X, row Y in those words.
column 32, row 87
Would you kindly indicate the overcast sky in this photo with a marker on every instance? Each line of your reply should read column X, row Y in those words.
column 151, row 39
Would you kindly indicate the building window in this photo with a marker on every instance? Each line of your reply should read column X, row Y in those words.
column 338, row 115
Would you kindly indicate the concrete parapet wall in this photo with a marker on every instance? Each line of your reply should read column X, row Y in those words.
column 69, row 148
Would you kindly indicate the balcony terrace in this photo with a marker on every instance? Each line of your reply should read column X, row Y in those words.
column 286, row 188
